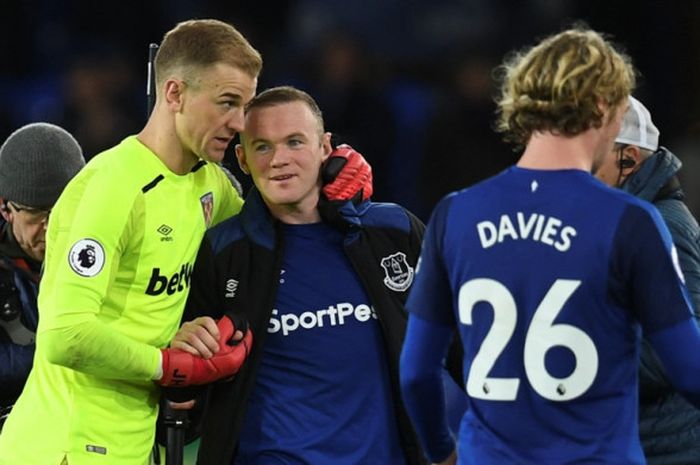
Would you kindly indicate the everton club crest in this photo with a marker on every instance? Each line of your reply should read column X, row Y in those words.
column 207, row 201
column 398, row 274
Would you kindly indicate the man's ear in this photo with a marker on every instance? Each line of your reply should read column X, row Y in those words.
column 174, row 89
column 5, row 211
column 240, row 155
column 327, row 146
column 631, row 160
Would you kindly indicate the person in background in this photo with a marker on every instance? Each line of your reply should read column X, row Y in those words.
column 36, row 163
column 668, row 425
column 549, row 277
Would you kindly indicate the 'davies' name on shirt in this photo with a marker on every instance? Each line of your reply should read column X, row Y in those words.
column 533, row 226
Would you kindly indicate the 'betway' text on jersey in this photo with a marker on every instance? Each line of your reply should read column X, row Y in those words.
column 178, row 282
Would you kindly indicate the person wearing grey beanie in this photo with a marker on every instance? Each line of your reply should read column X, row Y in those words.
column 668, row 424
column 36, row 163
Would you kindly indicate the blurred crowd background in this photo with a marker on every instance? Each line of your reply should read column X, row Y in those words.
column 409, row 83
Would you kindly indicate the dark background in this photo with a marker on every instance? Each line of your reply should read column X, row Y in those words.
column 407, row 82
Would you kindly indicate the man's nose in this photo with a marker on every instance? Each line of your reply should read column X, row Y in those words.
column 236, row 120
column 280, row 157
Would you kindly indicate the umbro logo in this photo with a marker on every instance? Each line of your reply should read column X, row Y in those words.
column 231, row 286
column 165, row 231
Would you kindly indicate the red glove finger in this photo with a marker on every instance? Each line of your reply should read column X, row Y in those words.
column 348, row 173
column 230, row 358
column 184, row 369
column 226, row 330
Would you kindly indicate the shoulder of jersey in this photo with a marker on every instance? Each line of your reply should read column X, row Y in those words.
column 118, row 167
column 226, row 232
column 387, row 215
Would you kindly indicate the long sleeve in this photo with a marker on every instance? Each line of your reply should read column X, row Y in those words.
column 91, row 347
column 421, row 372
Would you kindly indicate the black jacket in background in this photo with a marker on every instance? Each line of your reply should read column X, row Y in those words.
column 19, row 287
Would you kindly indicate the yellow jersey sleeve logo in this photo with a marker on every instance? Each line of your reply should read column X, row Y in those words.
column 86, row 257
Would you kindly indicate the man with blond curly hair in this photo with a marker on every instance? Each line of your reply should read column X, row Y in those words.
column 548, row 275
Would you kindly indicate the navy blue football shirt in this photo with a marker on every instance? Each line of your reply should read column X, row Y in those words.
column 549, row 276
column 322, row 393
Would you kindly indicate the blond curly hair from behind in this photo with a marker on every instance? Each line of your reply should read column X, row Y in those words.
column 558, row 85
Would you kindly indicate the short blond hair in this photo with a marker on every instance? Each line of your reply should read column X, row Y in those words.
column 199, row 43
column 559, row 84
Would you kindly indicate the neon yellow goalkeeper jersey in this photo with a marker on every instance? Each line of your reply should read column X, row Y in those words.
column 121, row 243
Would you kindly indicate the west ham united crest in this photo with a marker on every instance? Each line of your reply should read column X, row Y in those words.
column 207, row 201
column 398, row 273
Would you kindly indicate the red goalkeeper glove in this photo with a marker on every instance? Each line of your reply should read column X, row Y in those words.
column 181, row 368
column 346, row 175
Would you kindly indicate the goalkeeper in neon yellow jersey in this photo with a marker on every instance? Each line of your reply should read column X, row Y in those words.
column 121, row 243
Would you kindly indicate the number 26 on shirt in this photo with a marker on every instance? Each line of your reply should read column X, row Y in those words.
column 541, row 336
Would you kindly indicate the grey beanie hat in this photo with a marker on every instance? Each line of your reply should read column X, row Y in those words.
column 36, row 163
